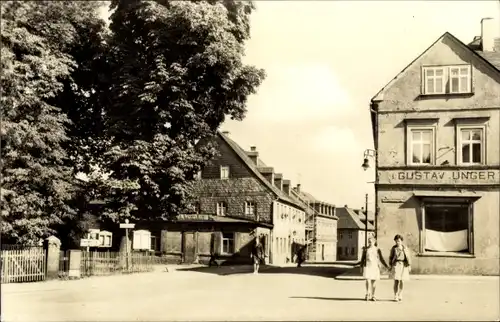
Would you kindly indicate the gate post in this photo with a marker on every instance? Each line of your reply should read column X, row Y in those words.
column 52, row 247
column 75, row 259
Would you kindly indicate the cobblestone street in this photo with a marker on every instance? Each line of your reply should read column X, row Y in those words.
column 310, row 293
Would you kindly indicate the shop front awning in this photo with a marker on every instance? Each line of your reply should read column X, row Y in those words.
column 200, row 218
column 456, row 196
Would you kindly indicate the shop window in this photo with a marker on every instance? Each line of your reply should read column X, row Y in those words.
column 447, row 228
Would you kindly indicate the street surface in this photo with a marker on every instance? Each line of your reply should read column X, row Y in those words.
column 232, row 293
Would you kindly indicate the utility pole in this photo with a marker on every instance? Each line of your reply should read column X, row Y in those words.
column 366, row 220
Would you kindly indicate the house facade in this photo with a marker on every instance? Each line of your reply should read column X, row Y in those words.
column 238, row 198
column 351, row 234
column 321, row 227
column 436, row 129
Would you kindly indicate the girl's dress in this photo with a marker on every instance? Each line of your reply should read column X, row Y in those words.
column 371, row 270
column 399, row 270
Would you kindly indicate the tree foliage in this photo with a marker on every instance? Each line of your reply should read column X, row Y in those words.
column 37, row 175
column 177, row 71
column 130, row 101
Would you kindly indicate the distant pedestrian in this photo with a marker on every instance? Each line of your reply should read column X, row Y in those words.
column 301, row 255
column 400, row 266
column 370, row 261
column 257, row 255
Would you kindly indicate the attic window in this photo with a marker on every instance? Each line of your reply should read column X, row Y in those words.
column 455, row 79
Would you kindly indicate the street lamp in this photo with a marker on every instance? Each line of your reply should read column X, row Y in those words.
column 370, row 153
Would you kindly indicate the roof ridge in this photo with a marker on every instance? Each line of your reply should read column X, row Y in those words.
column 254, row 168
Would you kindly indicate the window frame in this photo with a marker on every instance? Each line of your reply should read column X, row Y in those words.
column 458, row 149
column 469, row 79
column 224, row 169
column 231, row 251
column 349, row 234
column 446, row 79
column 425, row 69
column 219, row 207
column 470, row 227
column 254, row 207
column 409, row 143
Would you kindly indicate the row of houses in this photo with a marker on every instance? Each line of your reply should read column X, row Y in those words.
column 239, row 197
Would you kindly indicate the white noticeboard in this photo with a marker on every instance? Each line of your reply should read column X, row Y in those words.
column 127, row 225
column 142, row 239
column 89, row 242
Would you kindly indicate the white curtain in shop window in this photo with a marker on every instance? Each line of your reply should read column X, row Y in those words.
column 439, row 241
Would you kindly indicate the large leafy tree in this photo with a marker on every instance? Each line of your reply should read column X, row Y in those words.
column 176, row 73
column 37, row 187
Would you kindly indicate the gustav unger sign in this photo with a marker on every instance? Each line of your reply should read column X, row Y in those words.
column 440, row 176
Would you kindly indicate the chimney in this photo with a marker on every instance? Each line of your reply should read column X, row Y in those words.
column 489, row 30
column 268, row 173
column 298, row 188
column 278, row 180
column 253, row 154
column 286, row 186
column 225, row 133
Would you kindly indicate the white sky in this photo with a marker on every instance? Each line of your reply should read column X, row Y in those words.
column 325, row 60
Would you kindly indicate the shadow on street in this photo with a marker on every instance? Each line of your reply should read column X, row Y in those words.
column 362, row 299
column 322, row 271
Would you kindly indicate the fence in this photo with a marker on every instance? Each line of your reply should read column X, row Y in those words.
column 108, row 263
column 22, row 264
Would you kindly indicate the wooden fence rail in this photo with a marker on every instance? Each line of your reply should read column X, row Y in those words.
column 108, row 263
column 23, row 265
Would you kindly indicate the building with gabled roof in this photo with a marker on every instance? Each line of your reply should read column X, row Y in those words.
column 436, row 129
column 351, row 232
column 238, row 197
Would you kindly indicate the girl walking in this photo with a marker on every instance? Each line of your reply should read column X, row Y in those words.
column 400, row 266
column 370, row 261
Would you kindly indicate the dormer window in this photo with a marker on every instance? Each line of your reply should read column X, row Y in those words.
column 249, row 208
column 224, row 172
column 221, row 208
column 455, row 79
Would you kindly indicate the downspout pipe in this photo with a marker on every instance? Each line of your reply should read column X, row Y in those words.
column 375, row 121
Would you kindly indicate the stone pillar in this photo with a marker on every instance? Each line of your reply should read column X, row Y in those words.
column 52, row 247
column 75, row 259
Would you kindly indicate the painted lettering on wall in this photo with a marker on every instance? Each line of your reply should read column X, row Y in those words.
column 196, row 217
column 461, row 175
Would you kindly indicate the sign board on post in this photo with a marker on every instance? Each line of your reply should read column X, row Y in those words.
column 142, row 239
column 127, row 226
column 84, row 242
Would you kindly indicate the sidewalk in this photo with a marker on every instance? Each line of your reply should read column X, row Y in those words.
column 355, row 274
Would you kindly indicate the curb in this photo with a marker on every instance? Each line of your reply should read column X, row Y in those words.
column 350, row 277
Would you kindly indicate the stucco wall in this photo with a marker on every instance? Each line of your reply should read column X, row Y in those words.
column 400, row 214
column 399, row 211
column 326, row 234
column 286, row 220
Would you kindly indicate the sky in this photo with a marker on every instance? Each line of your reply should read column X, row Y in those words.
column 324, row 61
